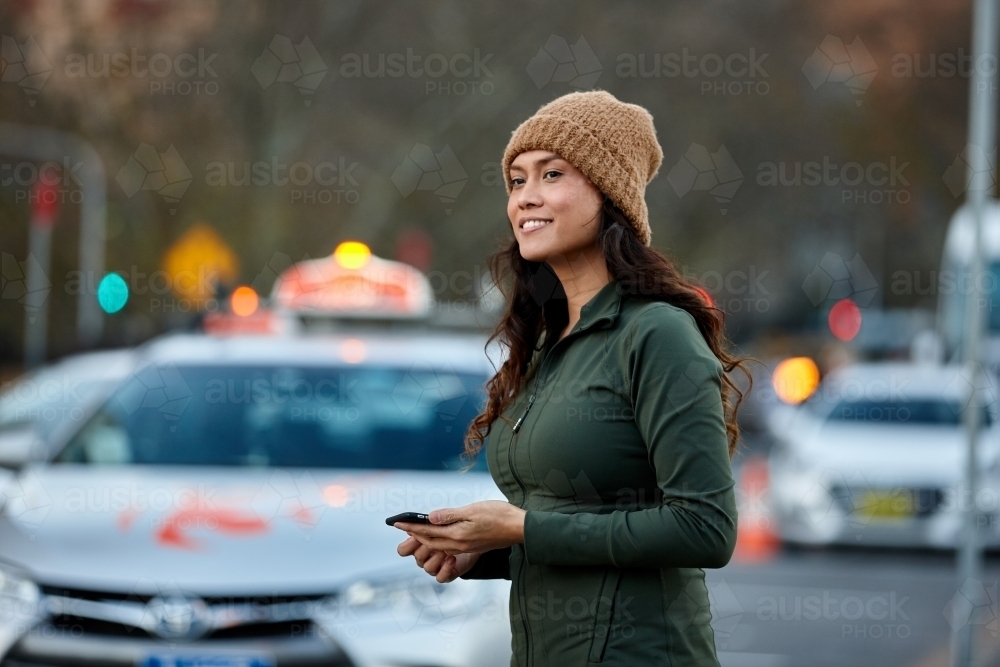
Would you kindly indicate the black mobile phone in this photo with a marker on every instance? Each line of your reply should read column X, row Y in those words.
column 409, row 517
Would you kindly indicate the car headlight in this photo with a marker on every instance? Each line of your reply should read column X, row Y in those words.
column 386, row 592
column 19, row 596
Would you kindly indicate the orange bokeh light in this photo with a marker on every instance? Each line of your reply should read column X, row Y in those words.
column 795, row 379
column 244, row 301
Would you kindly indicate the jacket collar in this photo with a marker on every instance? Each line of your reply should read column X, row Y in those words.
column 603, row 306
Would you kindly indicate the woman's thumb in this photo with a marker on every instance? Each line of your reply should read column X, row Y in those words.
column 442, row 516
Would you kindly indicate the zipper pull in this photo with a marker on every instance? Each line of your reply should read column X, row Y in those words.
column 517, row 424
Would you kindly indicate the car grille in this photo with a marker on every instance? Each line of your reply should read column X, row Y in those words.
column 79, row 611
column 84, row 627
column 76, row 626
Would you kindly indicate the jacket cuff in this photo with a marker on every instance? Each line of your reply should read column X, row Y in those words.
column 492, row 564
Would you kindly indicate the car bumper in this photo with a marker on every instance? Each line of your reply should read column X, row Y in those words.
column 806, row 510
column 42, row 648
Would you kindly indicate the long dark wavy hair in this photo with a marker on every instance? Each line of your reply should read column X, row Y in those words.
column 536, row 304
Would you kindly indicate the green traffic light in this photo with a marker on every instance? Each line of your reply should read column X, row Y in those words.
column 112, row 293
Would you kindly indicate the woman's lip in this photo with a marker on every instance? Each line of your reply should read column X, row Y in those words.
column 532, row 229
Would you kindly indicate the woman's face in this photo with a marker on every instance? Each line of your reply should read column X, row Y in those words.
column 545, row 187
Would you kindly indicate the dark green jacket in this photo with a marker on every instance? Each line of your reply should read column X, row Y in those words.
column 619, row 457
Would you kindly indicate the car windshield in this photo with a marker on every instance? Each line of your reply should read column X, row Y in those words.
column 47, row 398
column 349, row 417
column 913, row 411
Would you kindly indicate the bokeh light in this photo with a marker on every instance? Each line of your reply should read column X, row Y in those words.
column 244, row 301
column 112, row 293
column 795, row 379
column 353, row 351
column 352, row 254
column 844, row 319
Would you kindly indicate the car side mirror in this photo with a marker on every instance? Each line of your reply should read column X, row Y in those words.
column 20, row 446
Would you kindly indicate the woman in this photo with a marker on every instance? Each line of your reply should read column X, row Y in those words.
column 609, row 426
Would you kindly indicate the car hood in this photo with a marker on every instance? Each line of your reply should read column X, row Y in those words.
column 896, row 453
column 216, row 531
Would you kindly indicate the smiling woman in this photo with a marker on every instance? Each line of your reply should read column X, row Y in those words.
column 609, row 427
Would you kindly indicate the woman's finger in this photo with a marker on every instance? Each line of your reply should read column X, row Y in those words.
column 427, row 529
column 433, row 563
column 437, row 543
column 408, row 546
column 422, row 553
column 447, row 572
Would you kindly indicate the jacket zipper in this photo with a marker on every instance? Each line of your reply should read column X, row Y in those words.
column 513, row 471
column 517, row 424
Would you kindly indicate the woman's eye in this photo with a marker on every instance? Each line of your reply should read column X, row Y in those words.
column 552, row 171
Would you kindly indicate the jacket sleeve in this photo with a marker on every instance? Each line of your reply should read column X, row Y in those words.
column 493, row 564
column 674, row 382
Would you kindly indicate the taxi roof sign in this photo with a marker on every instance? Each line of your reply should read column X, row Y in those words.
column 353, row 282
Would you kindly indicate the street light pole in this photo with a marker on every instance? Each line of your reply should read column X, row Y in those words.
column 44, row 210
column 982, row 142
column 43, row 143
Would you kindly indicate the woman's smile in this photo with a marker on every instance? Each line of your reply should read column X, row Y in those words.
column 533, row 224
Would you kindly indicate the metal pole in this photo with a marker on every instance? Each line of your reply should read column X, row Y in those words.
column 982, row 142
column 42, row 143
column 36, row 311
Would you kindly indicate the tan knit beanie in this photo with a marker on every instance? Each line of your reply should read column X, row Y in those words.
column 613, row 143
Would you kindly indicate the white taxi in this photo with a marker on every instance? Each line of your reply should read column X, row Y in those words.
column 225, row 504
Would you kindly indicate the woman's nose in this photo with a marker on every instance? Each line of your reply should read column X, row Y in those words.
column 528, row 194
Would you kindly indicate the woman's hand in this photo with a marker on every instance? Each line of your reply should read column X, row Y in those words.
column 443, row 567
column 472, row 528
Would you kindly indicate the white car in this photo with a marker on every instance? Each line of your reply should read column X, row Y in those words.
column 62, row 391
column 877, row 456
column 226, row 506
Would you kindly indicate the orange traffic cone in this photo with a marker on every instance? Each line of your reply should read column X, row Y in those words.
column 756, row 539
